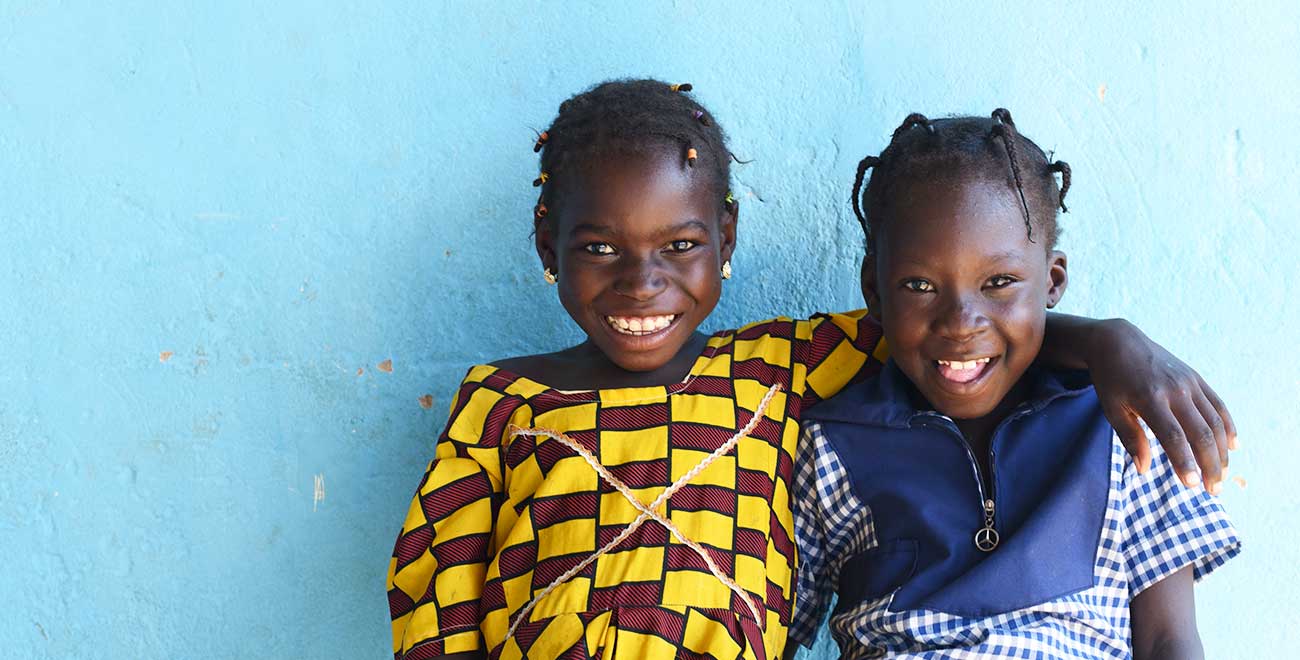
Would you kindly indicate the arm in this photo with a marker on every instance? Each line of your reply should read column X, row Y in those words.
column 1138, row 379
column 1164, row 620
column 439, row 563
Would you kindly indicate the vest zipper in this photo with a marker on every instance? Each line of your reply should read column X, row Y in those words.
column 986, row 538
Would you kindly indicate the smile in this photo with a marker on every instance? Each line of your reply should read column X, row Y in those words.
column 640, row 326
column 963, row 371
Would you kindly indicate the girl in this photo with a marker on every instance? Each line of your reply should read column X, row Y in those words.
column 628, row 497
column 965, row 502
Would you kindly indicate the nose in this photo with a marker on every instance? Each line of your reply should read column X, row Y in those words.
column 639, row 278
column 961, row 318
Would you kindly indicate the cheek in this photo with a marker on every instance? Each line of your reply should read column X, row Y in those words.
column 1024, row 320
column 904, row 320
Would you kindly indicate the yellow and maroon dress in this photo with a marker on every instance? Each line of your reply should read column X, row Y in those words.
column 496, row 553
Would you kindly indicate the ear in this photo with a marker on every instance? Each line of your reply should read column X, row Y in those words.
column 544, row 240
column 727, row 229
column 871, row 286
column 1057, row 277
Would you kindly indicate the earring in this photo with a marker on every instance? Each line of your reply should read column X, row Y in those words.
column 549, row 276
column 726, row 269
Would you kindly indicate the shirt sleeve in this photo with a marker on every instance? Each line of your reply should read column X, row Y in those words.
column 1169, row 526
column 438, row 567
column 836, row 350
column 831, row 524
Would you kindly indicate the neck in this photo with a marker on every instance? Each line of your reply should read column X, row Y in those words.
column 979, row 430
column 596, row 371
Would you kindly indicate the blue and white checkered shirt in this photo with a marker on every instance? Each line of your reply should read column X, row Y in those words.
column 1153, row 527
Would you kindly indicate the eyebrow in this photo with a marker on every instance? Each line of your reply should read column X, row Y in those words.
column 605, row 230
column 591, row 229
column 995, row 257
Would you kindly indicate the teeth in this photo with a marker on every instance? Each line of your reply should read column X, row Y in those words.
column 959, row 365
column 640, row 325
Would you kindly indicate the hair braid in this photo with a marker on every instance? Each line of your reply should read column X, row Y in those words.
column 1006, row 129
column 863, row 166
column 630, row 116
column 961, row 147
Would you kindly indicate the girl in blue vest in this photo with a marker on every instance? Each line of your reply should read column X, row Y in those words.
column 968, row 501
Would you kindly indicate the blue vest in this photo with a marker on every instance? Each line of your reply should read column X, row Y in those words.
column 1050, row 459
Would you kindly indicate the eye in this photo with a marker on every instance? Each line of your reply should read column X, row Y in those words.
column 1001, row 281
column 599, row 248
column 682, row 245
column 918, row 285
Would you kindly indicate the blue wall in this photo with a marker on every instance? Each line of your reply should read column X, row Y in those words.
column 281, row 196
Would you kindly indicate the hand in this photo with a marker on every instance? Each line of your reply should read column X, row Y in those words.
column 1138, row 379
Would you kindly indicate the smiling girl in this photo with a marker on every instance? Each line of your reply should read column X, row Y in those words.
column 628, row 497
column 966, row 502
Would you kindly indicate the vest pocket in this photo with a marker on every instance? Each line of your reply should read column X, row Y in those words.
column 876, row 573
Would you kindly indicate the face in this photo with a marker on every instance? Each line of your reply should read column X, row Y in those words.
column 961, row 292
column 638, row 247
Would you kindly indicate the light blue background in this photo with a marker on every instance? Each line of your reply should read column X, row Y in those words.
column 283, row 194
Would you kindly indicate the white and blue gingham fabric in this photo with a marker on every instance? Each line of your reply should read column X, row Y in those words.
column 1154, row 526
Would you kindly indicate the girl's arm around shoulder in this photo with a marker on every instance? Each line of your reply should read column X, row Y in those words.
column 835, row 350
column 1164, row 620
column 1138, row 379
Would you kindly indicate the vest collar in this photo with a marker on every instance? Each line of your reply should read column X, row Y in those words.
column 891, row 400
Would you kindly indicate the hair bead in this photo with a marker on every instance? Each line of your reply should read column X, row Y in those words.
column 541, row 142
column 539, row 212
column 691, row 155
column 543, row 178
column 681, row 87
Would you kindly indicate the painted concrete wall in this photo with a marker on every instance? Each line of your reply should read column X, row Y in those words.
column 239, row 245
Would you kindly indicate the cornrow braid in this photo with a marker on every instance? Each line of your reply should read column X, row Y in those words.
column 913, row 120
column 863, row 165
column 1064, row 169
column 1005, row 128
column 990, row 147
column 631, row 117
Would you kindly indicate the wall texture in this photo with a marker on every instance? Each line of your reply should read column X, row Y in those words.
column 248, row 249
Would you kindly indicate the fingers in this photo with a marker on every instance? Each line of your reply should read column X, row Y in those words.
column 1129, row 429
column 1170, row 433
column 1200, row 436
column 1222, row 410
column 1211, row 417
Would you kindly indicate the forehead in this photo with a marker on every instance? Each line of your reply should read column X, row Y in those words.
column 950, row 218
column 644, row 185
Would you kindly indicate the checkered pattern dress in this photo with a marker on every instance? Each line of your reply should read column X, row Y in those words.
column 1153, row 527
column 499, row 516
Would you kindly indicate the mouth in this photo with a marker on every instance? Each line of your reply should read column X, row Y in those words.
column 964, row 374
column 641, row 326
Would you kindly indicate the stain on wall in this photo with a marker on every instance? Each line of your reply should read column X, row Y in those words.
column 221, row 227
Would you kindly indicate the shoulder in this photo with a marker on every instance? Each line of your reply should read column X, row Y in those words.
column 785, row 327
column 487, row 401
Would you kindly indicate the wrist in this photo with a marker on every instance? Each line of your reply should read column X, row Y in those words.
column 1106, row 336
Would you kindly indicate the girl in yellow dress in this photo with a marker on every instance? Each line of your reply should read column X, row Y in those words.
column 629, row 497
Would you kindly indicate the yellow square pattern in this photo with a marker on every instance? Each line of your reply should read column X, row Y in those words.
column 499, row 493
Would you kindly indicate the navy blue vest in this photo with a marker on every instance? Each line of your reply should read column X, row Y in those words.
column 1050, row 461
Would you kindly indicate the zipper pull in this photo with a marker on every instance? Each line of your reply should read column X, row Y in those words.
column 986, row 539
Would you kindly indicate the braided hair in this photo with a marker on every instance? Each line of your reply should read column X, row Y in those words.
column 630, row 117
column 966, row 147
